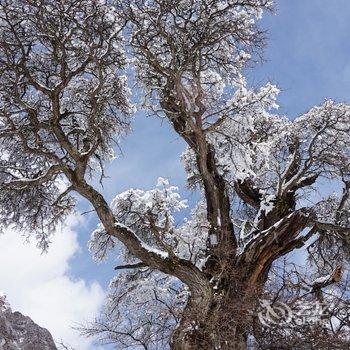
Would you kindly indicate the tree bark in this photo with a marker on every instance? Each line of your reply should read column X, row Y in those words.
column 220, row 329
column 225, row 323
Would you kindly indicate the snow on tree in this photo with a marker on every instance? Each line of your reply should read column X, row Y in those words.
column 64, row 102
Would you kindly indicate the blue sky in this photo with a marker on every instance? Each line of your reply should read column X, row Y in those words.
column 308, row 57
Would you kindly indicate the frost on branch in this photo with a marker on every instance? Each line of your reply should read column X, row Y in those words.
column 244, row 135
column 144, row 304
column 63, row 103
column 149, row 214
column 190, row 239
column 276, row 158
column 333, row 214
column 142, row 310
column 196, row 48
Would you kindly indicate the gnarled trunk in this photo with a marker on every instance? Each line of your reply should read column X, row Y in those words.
column 224, row 324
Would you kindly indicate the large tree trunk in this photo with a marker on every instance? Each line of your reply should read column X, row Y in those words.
column 222, row 330
column 223, row 325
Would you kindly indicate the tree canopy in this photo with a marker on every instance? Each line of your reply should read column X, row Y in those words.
column 65, row 72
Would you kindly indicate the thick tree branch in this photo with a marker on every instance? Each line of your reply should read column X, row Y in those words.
column 131, row 266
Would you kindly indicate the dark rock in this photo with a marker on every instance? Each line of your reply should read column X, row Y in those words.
column 19, row 332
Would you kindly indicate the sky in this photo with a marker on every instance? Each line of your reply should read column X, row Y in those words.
column 308, row 57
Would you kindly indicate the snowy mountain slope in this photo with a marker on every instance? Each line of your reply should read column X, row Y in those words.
column 19, row 332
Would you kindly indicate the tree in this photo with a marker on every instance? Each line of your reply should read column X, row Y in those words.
column 63, row 104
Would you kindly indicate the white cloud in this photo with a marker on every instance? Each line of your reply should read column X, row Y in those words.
column 38, row 285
